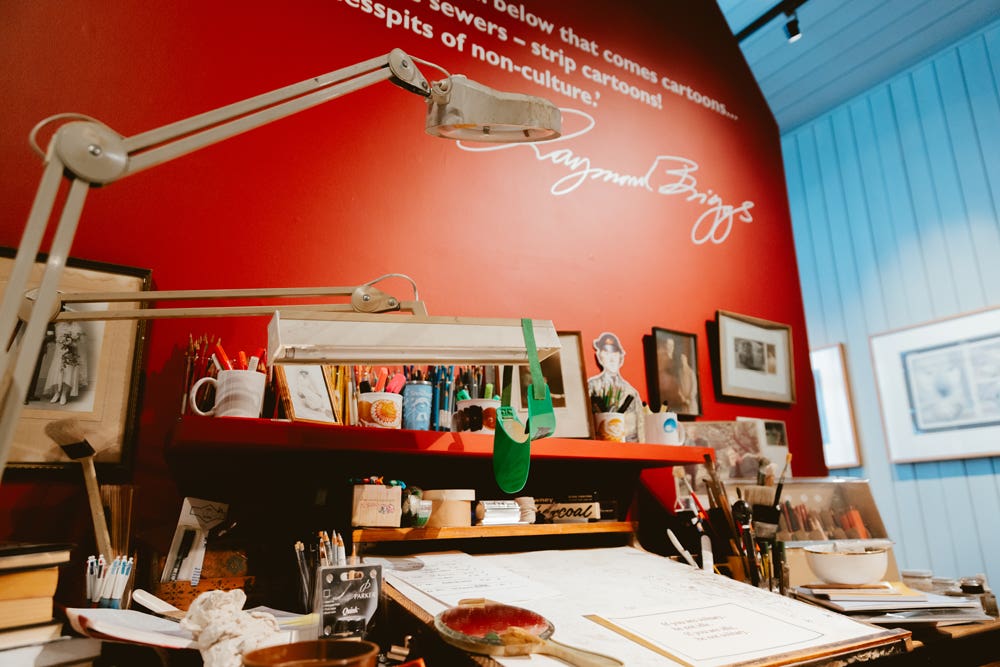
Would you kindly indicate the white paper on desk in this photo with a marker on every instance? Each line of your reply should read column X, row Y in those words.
column 637, row 589
column 453, row 576
column 130, row 626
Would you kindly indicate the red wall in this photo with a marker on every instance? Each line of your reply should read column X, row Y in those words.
column 354, row 189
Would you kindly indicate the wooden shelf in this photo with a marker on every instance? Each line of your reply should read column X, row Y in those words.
column 371, row 535
column 221, row 435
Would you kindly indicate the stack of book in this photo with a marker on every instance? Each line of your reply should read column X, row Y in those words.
column 29, row 632
column 894, row 603
column 29, row 574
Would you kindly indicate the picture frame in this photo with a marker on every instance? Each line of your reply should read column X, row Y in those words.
column 87, row 370
column 672, row 371
column 939, row 387
column 304, row 391
column 836, row 414
column 737, row 444
column 755, row 358
column 772, row 435
column 565, row 373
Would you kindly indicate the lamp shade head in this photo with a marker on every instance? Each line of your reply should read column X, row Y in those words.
column 463, row 109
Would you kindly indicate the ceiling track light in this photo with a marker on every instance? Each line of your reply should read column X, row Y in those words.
column 786, row 7
column 792, row 28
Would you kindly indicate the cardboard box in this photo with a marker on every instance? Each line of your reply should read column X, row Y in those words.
column 450, row 508
column 376, row 506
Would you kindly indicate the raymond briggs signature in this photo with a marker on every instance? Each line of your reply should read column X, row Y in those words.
column 667, row 175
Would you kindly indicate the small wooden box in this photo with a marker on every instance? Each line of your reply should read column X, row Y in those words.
column 181, row 593
column 376, row 506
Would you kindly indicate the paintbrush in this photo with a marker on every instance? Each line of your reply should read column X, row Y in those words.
column 781, row 480
column 68, row 434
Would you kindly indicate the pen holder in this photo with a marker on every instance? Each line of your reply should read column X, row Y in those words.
column 417, row 405
column 380, row 409
column 609, row 426
column 237, row 394
column 475, row 415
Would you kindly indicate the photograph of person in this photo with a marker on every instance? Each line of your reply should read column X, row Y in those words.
column 610, row 358
column 672, row 371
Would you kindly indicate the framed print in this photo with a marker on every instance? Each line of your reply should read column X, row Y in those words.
column 87, row 370
column 737, row 445
column 672, row 371
column 773, row 439
column 833, row 398
column 305, row 392
column 939, row 387
column 755, row 358
column 565, row 375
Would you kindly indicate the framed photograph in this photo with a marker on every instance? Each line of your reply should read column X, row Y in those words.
column 737, row 445
column 836, row 416
column 305, row 392
column 564, row 372
column 939, row 387
column 86, row 370
column 672, row 370
column 755, row 358
column 773, row 439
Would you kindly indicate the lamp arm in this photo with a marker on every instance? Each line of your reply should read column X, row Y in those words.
column 91, row 153
column 96, row 153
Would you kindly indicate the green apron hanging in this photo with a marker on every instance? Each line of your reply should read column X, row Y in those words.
column 511, row 438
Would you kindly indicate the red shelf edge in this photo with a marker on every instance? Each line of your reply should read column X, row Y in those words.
column 226, row 432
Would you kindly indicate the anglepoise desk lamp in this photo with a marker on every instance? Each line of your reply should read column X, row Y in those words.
column 89, row 153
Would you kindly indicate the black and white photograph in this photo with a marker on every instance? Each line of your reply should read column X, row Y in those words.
column 86, row 369
column 305, row 392
column 755, row 358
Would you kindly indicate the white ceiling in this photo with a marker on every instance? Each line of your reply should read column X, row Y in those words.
column 847, row 46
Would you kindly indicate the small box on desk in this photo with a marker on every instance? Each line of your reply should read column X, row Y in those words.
column 376, row 506
column 181, row 593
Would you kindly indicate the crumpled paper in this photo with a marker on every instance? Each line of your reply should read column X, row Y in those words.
column 223, row 632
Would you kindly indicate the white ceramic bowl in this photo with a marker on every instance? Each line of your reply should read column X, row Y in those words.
column 853, row 566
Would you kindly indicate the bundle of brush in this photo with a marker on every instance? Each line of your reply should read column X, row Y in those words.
column 765, row 512
column 69, row 434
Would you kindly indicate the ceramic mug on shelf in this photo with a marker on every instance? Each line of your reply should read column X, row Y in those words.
column 475, row 415
column 380, row 409
column 237, row 394
column 662, row 428
column 610, row 426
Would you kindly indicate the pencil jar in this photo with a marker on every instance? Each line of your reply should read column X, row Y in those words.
column 417, row 405
column 610, row 426
column 380, row 409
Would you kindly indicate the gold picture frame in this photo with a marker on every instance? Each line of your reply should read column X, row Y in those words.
column 87, row 370
column 304, row 391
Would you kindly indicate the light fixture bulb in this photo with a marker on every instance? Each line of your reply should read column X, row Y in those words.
column 792, row 29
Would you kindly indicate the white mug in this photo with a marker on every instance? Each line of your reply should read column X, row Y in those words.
column 662, row 428
column 237, row 394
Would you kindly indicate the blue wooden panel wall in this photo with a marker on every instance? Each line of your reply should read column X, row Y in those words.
column 895, row 201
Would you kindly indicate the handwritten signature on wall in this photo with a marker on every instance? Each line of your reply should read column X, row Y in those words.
column 667, row 175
